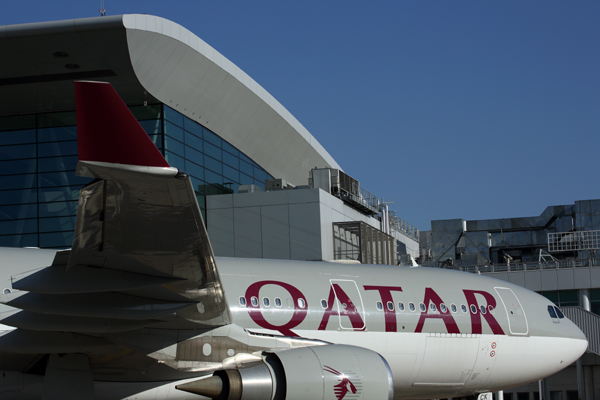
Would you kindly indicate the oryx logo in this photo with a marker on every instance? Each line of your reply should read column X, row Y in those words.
column 345, row 385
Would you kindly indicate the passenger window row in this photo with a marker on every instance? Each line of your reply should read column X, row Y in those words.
column 433, row 308
column 266, row 302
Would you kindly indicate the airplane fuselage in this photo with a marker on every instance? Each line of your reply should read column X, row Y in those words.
column 444, row 333
column 441, row 331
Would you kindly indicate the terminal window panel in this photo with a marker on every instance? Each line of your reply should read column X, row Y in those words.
column 561, row 297
column 38, row 156
column 361, row 242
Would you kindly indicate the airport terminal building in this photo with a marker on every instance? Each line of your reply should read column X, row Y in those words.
column 554, row 254
column 206, row 116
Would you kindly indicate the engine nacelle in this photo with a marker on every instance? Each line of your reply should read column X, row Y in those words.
column 329, row 372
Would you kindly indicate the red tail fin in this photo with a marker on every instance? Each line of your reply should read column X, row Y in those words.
column 108, row 132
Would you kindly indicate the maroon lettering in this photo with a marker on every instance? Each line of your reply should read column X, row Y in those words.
column 432, row 296
column 476, row 318
column 256, row 313
column 348, row 309
column 386, row 296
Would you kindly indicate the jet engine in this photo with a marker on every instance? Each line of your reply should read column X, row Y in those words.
column 329, row 372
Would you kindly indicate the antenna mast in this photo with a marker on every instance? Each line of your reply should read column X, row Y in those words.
column 102, row 9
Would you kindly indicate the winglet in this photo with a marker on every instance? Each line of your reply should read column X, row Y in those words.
column 108, row 132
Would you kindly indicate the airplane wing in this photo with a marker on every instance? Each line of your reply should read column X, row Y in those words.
column 141, row 255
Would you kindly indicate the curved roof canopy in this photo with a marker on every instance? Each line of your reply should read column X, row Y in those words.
column 152, row 59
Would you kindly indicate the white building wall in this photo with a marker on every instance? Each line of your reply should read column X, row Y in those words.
column 285, row 224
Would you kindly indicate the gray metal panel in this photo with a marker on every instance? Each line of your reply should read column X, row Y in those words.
column 447, row 225
column 219, row 201
column 247, row 230
column 220, row 229
column 309, row 196
column 275, row 232
column 595, row 277
column 517, row 238
column 518, row 278
column 260, row 198
column 565, row 279
column 533, row 280
column 500, row 275
column 549, row 279
column 305, row 231
column 582, row 278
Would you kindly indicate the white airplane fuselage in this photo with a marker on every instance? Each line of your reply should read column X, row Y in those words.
column 443, row 333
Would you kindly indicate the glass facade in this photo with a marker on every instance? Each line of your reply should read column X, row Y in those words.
column 38, row 156
column 561, row 297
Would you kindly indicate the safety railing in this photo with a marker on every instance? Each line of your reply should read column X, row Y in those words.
column 588, row 322
column 526, row 266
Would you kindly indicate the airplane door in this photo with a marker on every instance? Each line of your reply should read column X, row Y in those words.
column 517, row 320
column 351, row 310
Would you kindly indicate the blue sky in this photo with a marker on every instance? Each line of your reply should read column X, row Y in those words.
column 452, row 109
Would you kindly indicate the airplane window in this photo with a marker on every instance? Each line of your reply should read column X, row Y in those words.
column 483, row 310
column 324, row 303
column 390, row 306
column 473, row 308
column 301, row 303
column 453, row 307
column 443, row 308
column 491, row 309
column 266, row 301
column 559, row 313
column 277, row 302
column 379, row 306
column 401, row 306
column 242, row 301
column 463, row 308
column 411, row 306
column 254, row 301
column 7, row 291
column 422, row 307
column 433, row 307
column 552, row 312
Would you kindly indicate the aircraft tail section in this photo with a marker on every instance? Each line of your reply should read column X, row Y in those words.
column 108, row 132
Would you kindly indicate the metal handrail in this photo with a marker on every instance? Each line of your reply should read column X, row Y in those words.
column 588, row 322
column 527, row 266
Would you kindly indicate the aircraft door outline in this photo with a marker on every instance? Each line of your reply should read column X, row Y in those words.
column 517, row 320
column 348, row 289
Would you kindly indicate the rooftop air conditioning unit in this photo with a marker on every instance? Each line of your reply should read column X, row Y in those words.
column 249, row 189
column 277, row 184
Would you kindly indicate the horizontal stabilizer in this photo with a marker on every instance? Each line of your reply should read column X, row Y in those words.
column 101, row 305
column 35, row 342
column 80, row 279
column 42, row 322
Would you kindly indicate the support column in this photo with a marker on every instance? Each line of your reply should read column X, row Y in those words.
column 584, row 299
column 542, row 389
column 589, row 382
column 500, row 395
column 580, row 381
